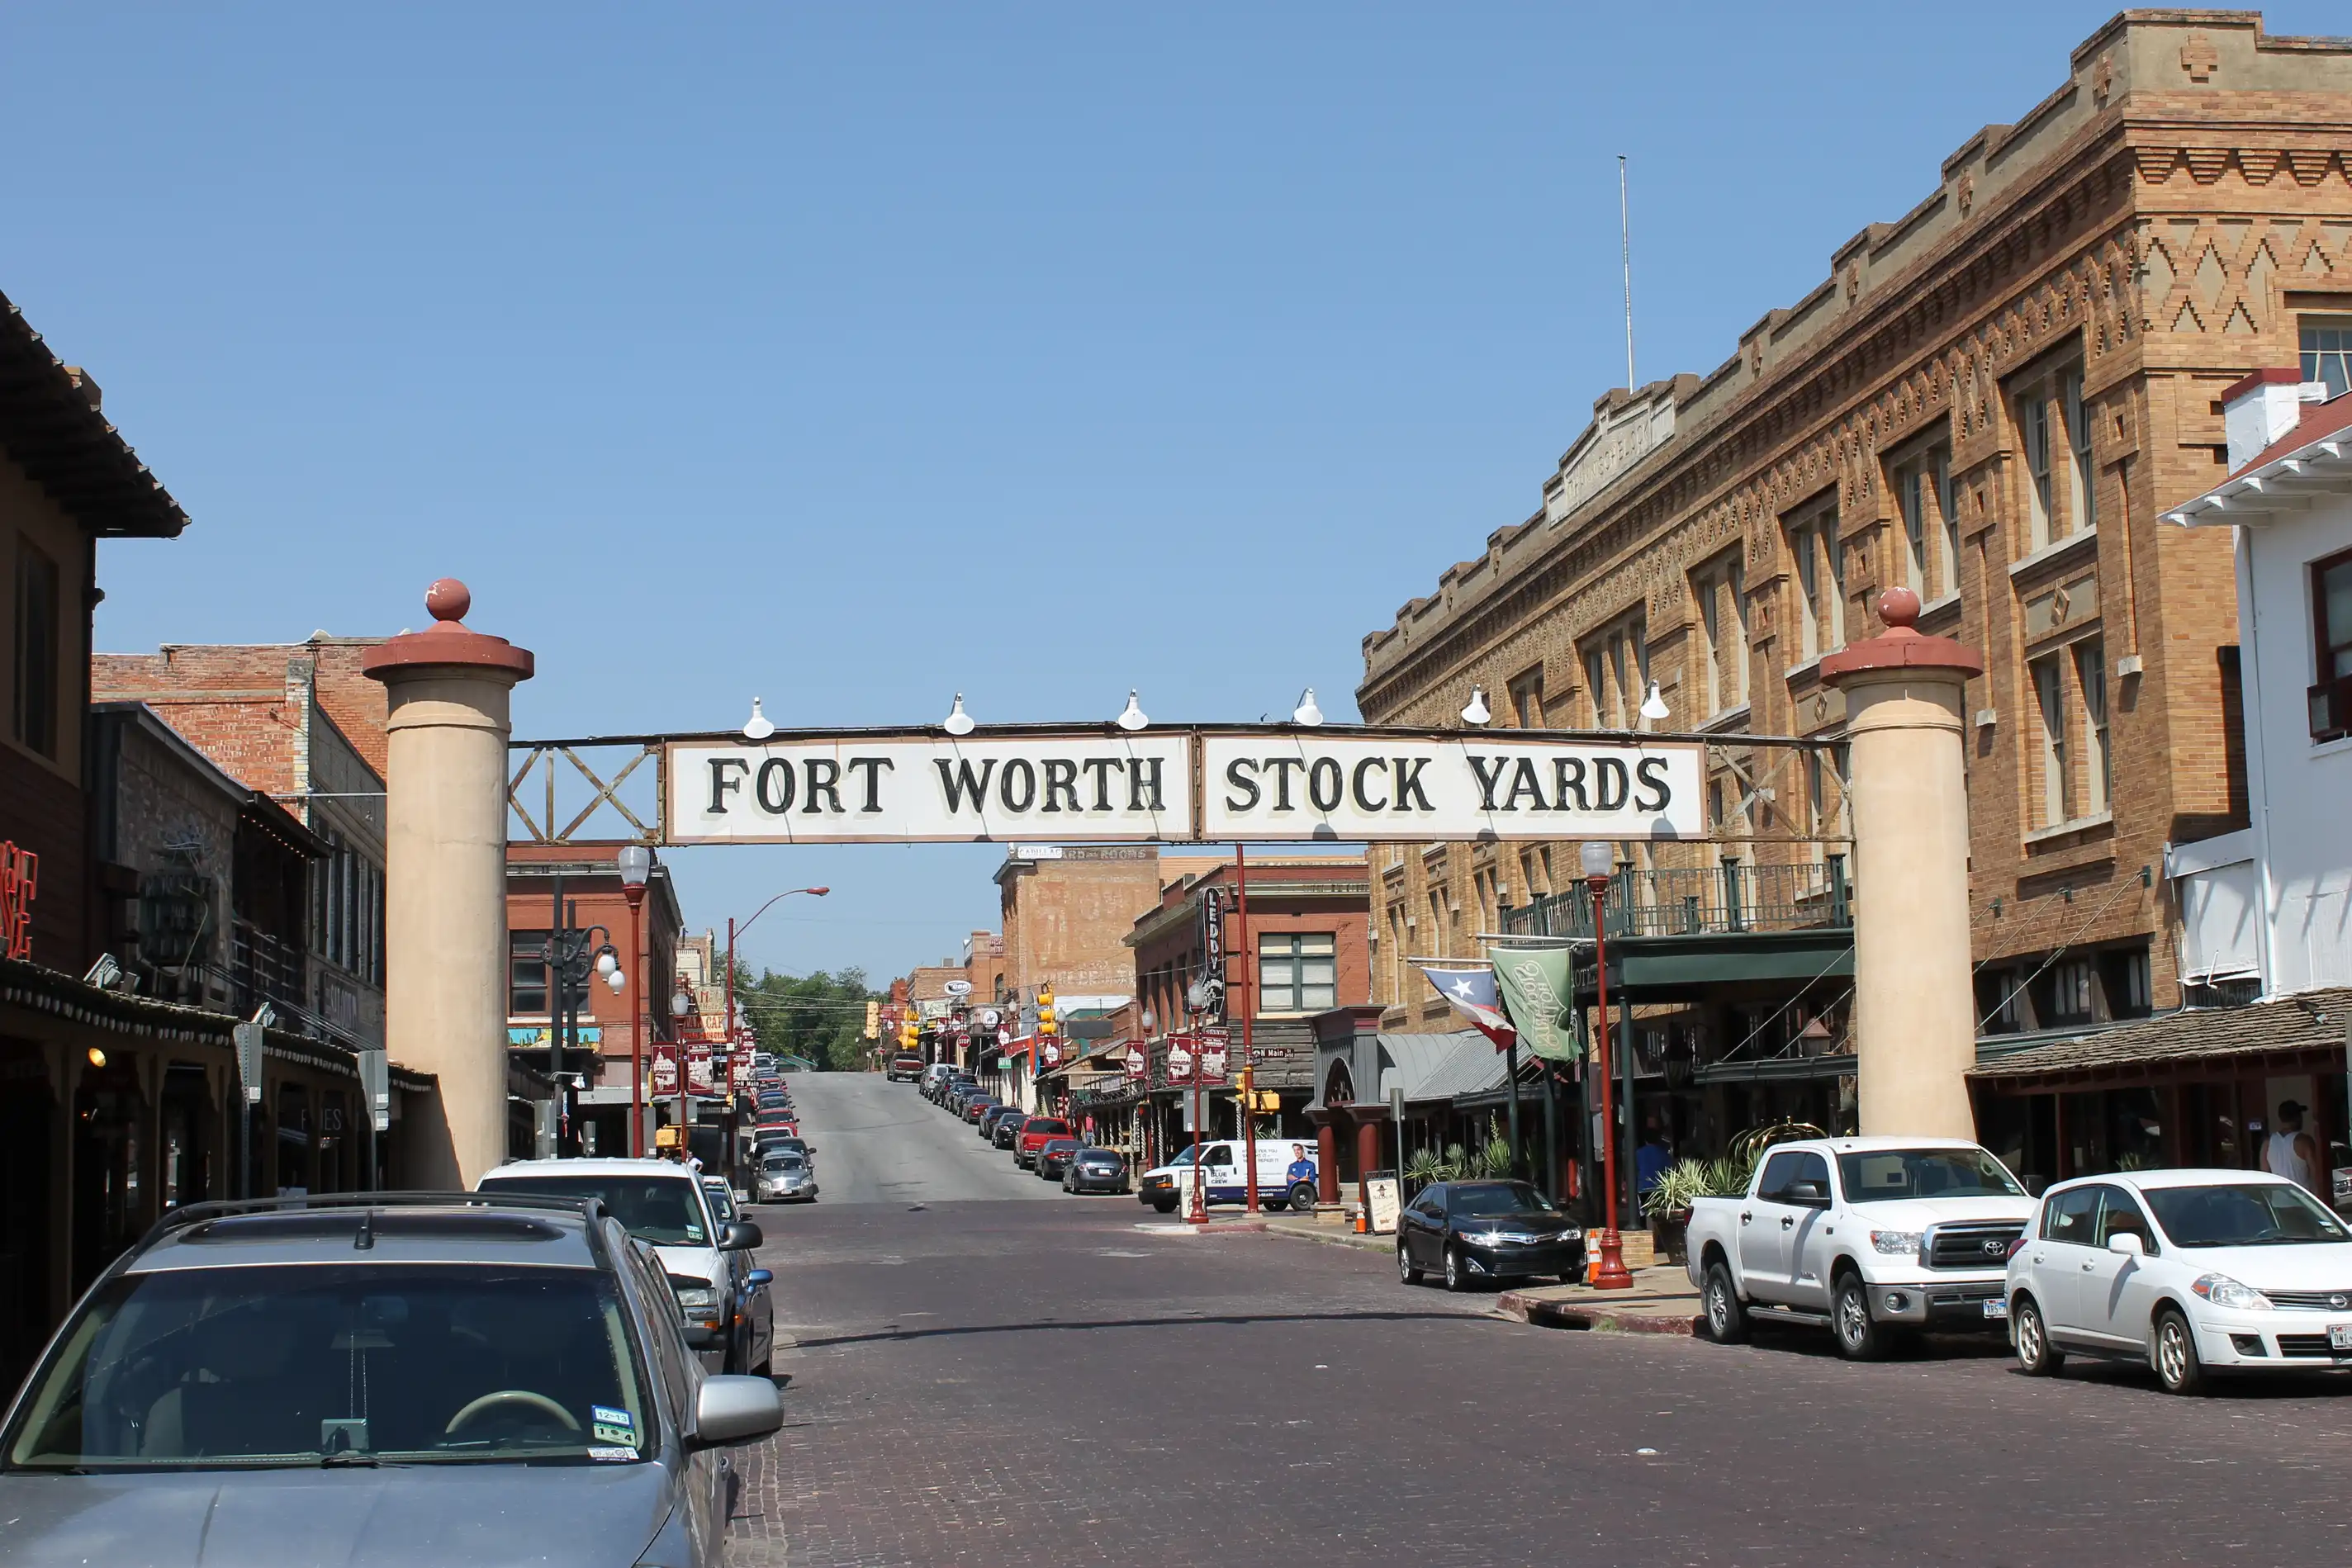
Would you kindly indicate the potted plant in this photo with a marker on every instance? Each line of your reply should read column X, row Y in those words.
column 1667, row 1206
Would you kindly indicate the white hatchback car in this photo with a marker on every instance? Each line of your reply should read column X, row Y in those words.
column 2190, row 1270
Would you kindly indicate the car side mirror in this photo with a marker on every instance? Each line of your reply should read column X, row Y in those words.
column 1808, row 1194
column 740, row 1237
column 2035, row 1185
column 758, row 1276
column 730, row 1410
column 2127, row 1243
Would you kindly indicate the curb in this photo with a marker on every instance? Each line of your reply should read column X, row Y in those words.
column 1537, row 1312
column 1347, row 1239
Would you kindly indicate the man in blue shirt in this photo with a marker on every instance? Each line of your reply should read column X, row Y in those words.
column 1301, row 1168
column 1651, row 1160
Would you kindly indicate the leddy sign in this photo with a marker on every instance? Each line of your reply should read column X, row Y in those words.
column 1302, row 786
column 915, row 789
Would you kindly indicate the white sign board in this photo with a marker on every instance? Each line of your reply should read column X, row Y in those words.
column 1362, row 789
column 939, row 789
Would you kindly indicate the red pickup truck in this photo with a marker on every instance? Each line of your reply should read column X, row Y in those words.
column 1033, row 1136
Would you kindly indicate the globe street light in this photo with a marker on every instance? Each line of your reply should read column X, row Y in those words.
column 636, row 862
column 1598, row 861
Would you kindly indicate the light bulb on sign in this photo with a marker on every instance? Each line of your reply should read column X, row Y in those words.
column 1475, row 711
column 958, row 722
column 619, row 981
column 758, row 727
column 1131, row 716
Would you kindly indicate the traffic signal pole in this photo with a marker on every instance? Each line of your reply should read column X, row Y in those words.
column 1248, row 1005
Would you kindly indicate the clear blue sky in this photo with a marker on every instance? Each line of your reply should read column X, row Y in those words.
column 858, row 355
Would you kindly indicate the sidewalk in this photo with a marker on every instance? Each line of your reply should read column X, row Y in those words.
column 1660, row 1301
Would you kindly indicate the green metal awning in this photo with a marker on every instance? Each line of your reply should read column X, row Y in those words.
column 1687, row 967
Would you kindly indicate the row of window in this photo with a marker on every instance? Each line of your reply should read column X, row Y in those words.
column 347, row 913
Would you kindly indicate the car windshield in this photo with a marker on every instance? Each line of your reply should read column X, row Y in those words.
column 1060, row 1146
column 664, row 1210
column 2256, row 1214
column 344, row 1364
column 787, row 1162
column 1497, row 1198
column 722, row 1200
column 1888, row 1176
column 1098, row 1157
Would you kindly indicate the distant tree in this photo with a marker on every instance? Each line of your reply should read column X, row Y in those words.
column 818, row 1016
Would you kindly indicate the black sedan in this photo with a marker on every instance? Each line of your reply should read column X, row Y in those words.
column 1480, row 1231
column 1096, row 1170
column 1053, row 1157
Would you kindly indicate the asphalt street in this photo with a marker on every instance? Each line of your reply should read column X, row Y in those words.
column 1076, row 1382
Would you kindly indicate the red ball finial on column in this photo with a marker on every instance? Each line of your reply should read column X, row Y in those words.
column 1899, row 607
column 448, row 600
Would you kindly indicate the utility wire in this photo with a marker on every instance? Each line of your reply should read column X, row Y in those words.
column 2059, row 952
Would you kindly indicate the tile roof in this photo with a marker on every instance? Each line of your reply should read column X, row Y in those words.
column 2307, row 1020
column 1474, row 1067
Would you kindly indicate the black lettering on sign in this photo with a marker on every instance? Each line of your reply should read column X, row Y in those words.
column 959, row 783
column 1651, row 772
column 1568, row 783
column 1408, row 785
column 720, row 783
column 1242, row 774
column 773, row 786
column 1061, row 784
column 1143, row 784
column 1323, row 789
column 1102, row 768
column 873, row 766
column 1524, row 782
column 1018, row 767
column 1489, row 770
column 1610, row 783
column 1364, row 801
column 824, row 779
column 1282, row 767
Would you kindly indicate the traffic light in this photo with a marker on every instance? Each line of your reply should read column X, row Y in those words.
column 873, row 1020
column 909, row 1037
column 1046, row 1018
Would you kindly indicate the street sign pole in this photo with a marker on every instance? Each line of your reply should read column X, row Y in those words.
column 247, row 1037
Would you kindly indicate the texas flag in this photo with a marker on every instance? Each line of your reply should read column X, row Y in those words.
column 1470, row 986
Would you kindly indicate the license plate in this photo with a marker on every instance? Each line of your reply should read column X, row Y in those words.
column 1996, row 1309
column 2339, row 1336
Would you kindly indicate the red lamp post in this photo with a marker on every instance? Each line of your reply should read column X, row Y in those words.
column 1611, row 1275
column 637, row 864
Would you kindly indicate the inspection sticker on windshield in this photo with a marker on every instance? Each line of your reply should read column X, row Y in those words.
column 610, row 1425
column 612, row 1455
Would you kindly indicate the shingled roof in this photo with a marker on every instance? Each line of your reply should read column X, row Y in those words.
column 51, row 427
column 2309, row 1020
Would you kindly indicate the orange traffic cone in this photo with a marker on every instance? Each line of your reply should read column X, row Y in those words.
column 1362, row 1227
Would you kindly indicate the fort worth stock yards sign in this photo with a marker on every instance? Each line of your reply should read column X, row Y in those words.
column 1216, row 786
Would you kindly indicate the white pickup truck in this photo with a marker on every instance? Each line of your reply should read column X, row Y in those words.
column 1862, row 1235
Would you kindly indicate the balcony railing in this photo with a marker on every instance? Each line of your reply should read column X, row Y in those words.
column 1731, row 897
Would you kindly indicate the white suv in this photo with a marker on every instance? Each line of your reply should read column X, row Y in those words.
column 2186, row 1270
column 724, row 1307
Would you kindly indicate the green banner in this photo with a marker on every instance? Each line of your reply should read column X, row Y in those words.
column 1533, row 982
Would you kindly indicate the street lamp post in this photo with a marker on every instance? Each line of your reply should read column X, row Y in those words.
column 637, row 864
column 735, row 930
column 568, row 964
column 1248, row 990
column 1599, row 860
column 681, row 1005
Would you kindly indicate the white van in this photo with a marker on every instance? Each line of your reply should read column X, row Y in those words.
column 1224, row 1166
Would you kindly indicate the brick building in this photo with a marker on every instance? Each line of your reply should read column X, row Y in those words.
column 1066, row 912
column 298, row 724
column 1990, row 399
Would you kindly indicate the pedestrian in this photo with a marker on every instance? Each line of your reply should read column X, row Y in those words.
column 2290, row 1153
column 1651, row 1160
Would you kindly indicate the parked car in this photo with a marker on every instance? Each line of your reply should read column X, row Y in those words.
column 928, row 1085
column 2190, row 1272
column 512, row 1378
column 977, row 1106
column 1096, row 1170
column 1052, row 1156
column 906, row 1067
column 1486, row 1232
column 1004, row 1125
column 1032, row 1135
column 662, row 1205
column 791, row 1141
column 1862, row 1235
column 786, row 1177
column 1227, row 1174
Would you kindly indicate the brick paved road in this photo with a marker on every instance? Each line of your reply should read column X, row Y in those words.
column 1046, row 1384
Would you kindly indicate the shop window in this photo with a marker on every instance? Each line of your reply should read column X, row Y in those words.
column 2326, row 342
column 527, row 977
column 2063, row 994
column 33, row 715
column 2050, row 696
column 2123, row 978
column 1527, row 699
column 2331, row 621
column 1298, row 972
column 2098, row 768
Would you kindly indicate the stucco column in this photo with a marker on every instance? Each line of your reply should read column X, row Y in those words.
column 1914, row 1003
column 444, row 882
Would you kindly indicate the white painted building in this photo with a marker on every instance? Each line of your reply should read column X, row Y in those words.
column 2273, row 902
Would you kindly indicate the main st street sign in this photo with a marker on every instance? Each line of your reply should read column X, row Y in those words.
column 1098, row 784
